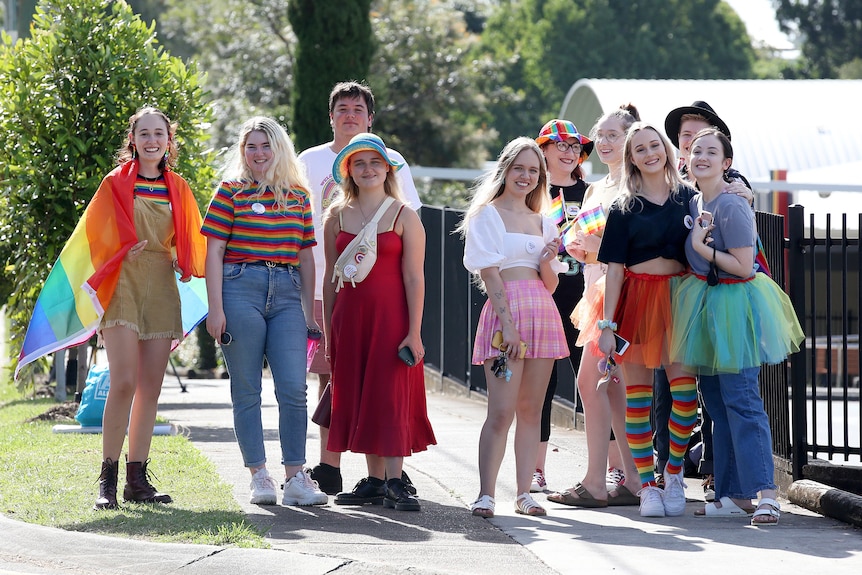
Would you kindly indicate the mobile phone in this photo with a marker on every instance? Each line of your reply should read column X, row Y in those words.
column 705, row 219
column 407, row 356
column 622, row 344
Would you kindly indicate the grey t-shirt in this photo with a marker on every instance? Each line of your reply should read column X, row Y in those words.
column 734, row 228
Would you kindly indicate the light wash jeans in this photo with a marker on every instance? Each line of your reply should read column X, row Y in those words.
column 264, row 316
column 742, row 442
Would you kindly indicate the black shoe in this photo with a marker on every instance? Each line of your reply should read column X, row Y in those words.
column 368, row 490
column 398, row 497
column 328, row 478
column 408, row 485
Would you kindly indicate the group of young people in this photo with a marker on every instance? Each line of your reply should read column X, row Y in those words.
column 669, row 269
column 665, row 261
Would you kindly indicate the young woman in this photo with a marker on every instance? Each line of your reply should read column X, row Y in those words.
column 513, row 249
column 260, row 287
column 604, row 406
column 565, row 150
column 143, row 317
column 729, row 320
column 643, row 247
column 378, row 400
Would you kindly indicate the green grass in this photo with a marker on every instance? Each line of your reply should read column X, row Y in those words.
column 52, row 479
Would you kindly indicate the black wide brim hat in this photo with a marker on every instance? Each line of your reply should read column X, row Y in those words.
column 674, row 120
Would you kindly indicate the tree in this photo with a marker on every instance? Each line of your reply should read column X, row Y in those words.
column 831, row 33
column 66, row 94
column 335, row 43
column 246, row 48
column 550, row 44
column 430, row 105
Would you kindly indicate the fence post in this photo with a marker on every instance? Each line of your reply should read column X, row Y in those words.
column 796, row 248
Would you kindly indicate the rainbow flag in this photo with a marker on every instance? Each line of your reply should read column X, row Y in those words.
column 760, row 259
column 568, row 234
column 593, row 220
column 84, row 277
column 556, row 211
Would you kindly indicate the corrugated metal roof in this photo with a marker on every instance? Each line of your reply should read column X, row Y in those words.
column 793, row 125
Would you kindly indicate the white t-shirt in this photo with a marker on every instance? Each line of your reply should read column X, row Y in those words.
column 318, row 164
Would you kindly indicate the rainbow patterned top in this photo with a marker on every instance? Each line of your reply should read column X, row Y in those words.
column 154, row 191
column 255, row 229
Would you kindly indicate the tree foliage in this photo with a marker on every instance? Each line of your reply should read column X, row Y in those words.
column 831, row 35
column 430, row 103
column 66, row 94
column 335, row 43
column 548, row 45
column 246, row 48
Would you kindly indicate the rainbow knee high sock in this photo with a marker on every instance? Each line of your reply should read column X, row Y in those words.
column 683, row 416
column 639, row 431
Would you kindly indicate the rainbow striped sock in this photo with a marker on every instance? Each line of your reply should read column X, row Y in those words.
column 683, row 416
column 639, row 430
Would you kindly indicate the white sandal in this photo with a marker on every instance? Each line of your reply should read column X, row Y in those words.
column 483, row 507
column 773, row 509
column 526, row 505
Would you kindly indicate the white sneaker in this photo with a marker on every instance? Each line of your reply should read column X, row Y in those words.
column 538, row 484
column 301, row 489
column 651, row 503
column 264, row 490
column 674, row 494
column 614, row 478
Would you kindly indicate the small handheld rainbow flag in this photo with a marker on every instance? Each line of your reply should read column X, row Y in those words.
column 568, row 233
column 556, row 212
column 593, row 220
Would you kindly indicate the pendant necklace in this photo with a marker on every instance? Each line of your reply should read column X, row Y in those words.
column 361, row 211
column 150, row 180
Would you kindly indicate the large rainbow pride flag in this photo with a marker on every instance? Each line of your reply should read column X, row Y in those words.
column 82, row 281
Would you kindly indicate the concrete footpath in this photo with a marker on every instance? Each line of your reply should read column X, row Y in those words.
column 444, row 537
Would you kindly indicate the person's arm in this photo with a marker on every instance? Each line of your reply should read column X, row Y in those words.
column 549, row 276
column 500, row 303
column 307, row 274
column 736, row 261
column 613, row 289
column 330, row 231
column 413, row 272
column 216, row 322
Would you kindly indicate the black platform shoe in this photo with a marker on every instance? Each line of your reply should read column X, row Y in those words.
column 398, row 496
column 368, row 490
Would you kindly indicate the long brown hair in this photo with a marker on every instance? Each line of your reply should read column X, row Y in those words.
column 127, row 151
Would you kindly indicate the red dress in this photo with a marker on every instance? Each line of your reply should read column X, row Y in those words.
column 378, row 402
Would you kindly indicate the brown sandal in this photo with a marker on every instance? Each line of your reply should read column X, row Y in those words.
column 577, row 496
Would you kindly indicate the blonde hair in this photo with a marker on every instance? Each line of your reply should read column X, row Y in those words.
column 632, row 180
column 286, row 172
column 492, row 183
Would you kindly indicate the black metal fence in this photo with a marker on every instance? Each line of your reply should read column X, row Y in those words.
column 810, row 399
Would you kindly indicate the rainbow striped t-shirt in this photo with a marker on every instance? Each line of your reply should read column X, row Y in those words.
column 156, row 191
column 255, row 230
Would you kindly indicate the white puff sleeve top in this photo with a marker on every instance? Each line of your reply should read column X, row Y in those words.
column 488, row 244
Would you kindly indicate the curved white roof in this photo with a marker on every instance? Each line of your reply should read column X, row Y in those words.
column 791, row 125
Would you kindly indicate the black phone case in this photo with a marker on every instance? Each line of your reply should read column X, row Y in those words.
column 407, row 356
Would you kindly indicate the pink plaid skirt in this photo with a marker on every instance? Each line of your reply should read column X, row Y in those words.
column 536, row 318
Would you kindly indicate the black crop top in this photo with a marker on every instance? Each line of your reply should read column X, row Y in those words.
column 648, row 231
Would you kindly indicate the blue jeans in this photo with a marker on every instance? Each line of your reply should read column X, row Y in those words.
column 742, row 442
column 263, row 310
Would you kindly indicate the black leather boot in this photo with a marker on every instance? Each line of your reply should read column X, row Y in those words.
column 138, row 487
column 108, row 485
